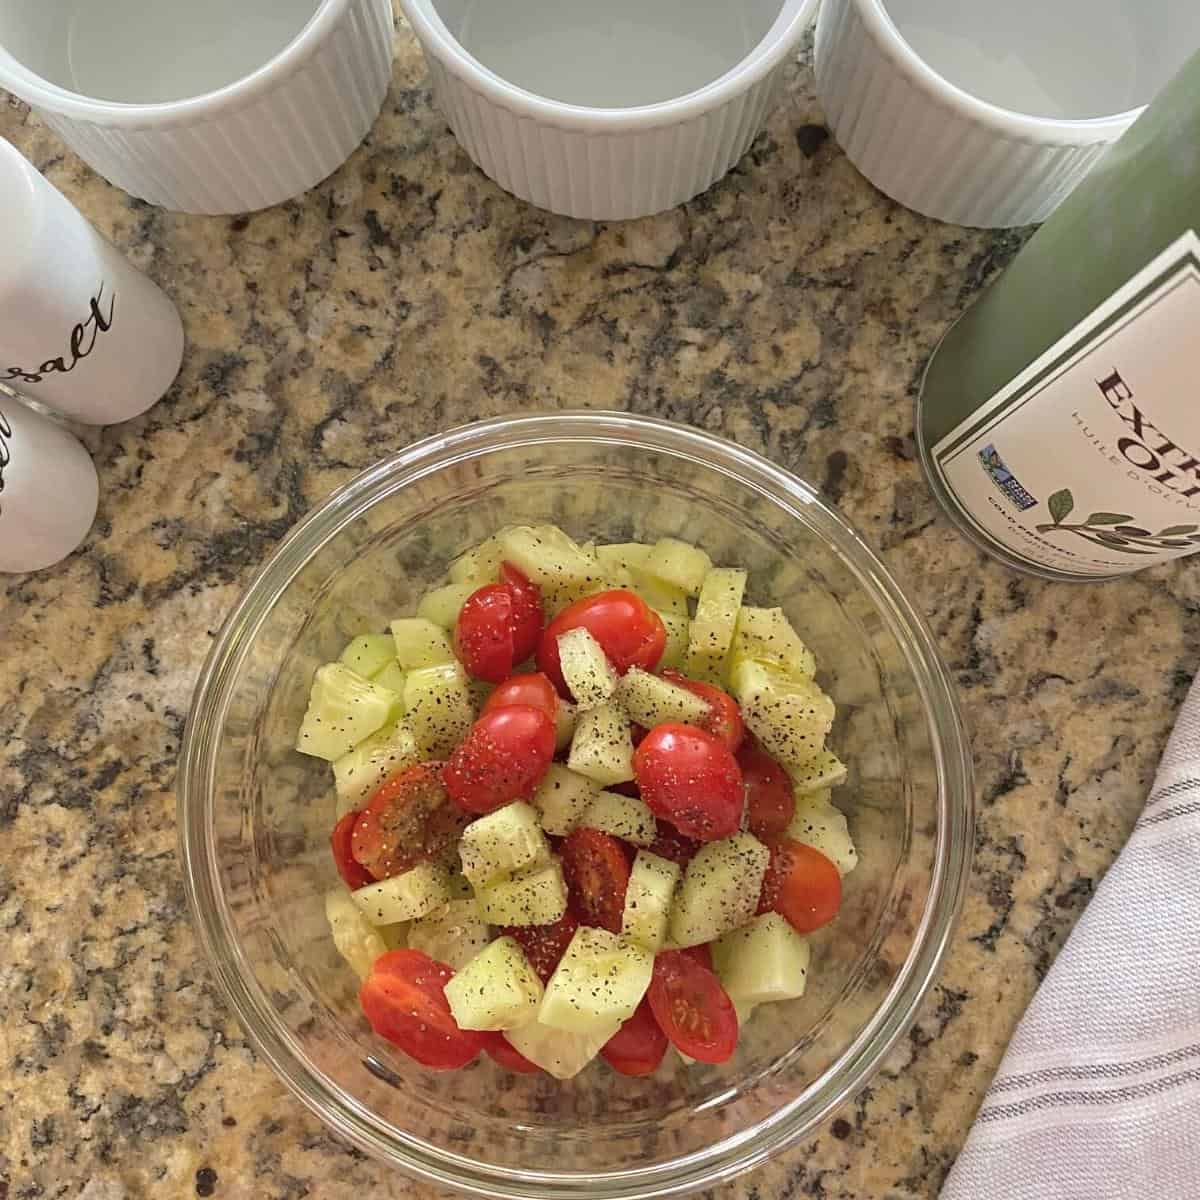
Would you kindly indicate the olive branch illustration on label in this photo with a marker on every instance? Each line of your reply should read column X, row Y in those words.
column 1116, row 531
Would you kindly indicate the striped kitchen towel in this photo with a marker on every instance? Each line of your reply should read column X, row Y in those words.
column 1098, row 1095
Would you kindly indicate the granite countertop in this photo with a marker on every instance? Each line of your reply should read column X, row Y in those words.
column 790, row 308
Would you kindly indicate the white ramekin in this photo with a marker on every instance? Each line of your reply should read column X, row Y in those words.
column 605, row 164
column 934, row 147
column 259, row 141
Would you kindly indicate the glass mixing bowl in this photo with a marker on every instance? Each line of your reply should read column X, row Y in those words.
column 255, row 816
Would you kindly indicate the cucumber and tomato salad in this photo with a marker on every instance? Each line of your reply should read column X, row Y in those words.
column 583, row 808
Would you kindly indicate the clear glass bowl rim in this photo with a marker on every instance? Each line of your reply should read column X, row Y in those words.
column 948, row 739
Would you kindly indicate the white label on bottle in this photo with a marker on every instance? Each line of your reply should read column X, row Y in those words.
column 1089, row 461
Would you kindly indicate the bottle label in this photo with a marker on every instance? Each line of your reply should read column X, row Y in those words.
column 1088, row 462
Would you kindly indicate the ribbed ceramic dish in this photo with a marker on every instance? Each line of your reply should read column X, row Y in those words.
column 259, row 141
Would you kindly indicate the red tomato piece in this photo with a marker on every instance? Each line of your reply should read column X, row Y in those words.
column 692, row 1007
column 500, row 1050
column 688, row 777
column 404, row 999
column 638, row 1046
column 341, row 841
column 483, row 633
column 629, row 631
column 724, row 717
column 801, row 884
column 701, row 954
column 544, row 945
column 670, row 843
column 502, row 759
column 527, row 612
column 409, row 819
column 770, row 796
column 535, row 690
column 597, row 874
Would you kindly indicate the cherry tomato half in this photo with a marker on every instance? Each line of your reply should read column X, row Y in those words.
column 535, row 690
column 483, row 633
column 597, row 874
column 341, row 842
column 544, row 945
column 801, row 884
column 500, row 1050
column 502, row 758
column 724, row 719
column 692, row 1008
column 690, row 778
column 404, row 999
column 770, row 796
column 409, row 819
column 629, row 631
column 670, row 843
column 527, row 612
column 638, row 1046
column 701, row 954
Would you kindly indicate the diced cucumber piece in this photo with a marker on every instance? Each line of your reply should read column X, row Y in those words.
column 548, row 557
column 712, row 628
column 343, row 709
column 562, row 798
column 502, row 843
column 420, row 643
column 585, row 667
column 441, row 606
column 720, row 889
column 823, row 770
column 767, row 636
column 414, row 893
column 478, row 566
column 602, row 748
column 819, row 824
column 537, row 898
column 678, row 633
column 791, row 717
column 557, row 1052
column 392, row 678
column 764, row 961
column 497, row 989
column 679, row 564
column 618, row 557
column 564, row 724
column 623, row 816
column 648, row 900
column 356, row 939
column 651, row 700
column 602, row 978
column 357, row 774
column 662, row 597
column 440, row 708
column 453, row 934
column 369, row 653
column 460, row 889
column 395, row 937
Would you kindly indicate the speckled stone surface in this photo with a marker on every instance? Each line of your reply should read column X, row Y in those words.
column 790, row 308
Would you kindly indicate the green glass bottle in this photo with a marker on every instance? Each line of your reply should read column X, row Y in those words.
column 1059, row 419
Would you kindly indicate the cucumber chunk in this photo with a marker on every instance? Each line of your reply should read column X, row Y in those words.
column 479, row 565
column 565, row 716
column 343, row 709
column 662, row 597
column 505, row 841
column 369, row 653
column 602, row 748
column 536, row 898
column 623, row 816
column 678, row 634
column 791, row 717
column 585, row 667
column 767, row 636
column 819, row 824
column 823, row 770
column 497, row 989
column 546, row 556
column 357, row 774
column 440, row 707
column 712, row 628
column 764, row 961
column 679, row 564
column 414, row 893
column 562, row 798
column 442, row 605
column 622, row 558
column 452, row 934
column 651, row 700
column 720, row 889
column 420, row 643
column 391, row 676
column 356, row 939
column 648, row 899
column 557, row 1052
column 601, row 978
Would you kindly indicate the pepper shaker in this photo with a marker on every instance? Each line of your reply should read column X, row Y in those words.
column 82, row 330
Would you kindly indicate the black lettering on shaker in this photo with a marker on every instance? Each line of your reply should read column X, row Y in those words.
column 5, row 450
column 96, row 324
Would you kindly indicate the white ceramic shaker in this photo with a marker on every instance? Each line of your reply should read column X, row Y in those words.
column 81, row 329
column 48, row 490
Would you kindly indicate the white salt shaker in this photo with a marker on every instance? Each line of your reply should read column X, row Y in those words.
column 81, row 329
column 48, row 490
